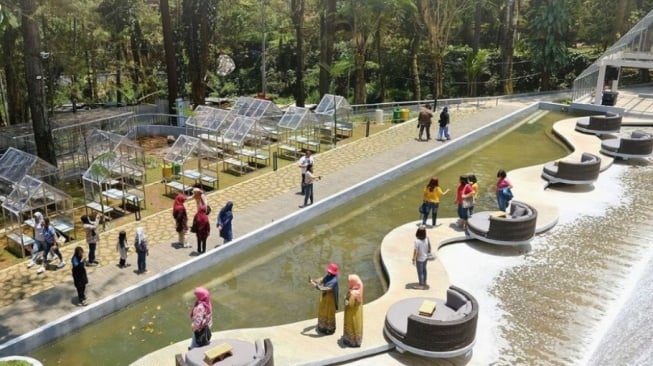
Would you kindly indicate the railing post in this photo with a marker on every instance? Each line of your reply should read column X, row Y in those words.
column 274, row 161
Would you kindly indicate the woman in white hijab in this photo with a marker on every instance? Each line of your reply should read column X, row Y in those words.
column 37, row 246
column 140, row 244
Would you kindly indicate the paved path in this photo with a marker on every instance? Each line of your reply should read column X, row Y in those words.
column 29, row 300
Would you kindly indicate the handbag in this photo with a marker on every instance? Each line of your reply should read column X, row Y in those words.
column 193, row 228
column 468, row 202
column 203, row 336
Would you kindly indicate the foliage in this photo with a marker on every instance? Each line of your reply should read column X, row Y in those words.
column 105, row 50
column 548, row 23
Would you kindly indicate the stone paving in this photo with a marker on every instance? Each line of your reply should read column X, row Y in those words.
column 259, row 200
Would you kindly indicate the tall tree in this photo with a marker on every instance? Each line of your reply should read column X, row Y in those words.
column 34, row 81
column 11, row 95
column 198, row 22
column 549, row 23
column 327, row 36
column 439, row 17
column 508, row 44
column 170, row 60
column 297, row 15
column 365, row 20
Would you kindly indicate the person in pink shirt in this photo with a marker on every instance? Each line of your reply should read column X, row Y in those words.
column 504, row 193
column 464, row 190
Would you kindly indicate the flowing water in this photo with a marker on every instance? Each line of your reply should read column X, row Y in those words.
column 534, row 306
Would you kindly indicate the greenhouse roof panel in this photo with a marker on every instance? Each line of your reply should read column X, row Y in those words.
column 15, row 164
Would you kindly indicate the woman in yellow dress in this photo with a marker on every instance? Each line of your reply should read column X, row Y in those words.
column 353, row 332
column 328, row 286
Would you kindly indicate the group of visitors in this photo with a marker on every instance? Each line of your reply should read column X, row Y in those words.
column 424, row 120
column 328, row 305
column 201, row 225
column 306, row 163
column 46, row 242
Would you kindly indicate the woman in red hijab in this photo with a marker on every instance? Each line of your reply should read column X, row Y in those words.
column 202, row 228
column 181, row 219
column 202, row 318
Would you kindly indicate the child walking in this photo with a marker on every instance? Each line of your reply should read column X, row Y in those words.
column 122, row 247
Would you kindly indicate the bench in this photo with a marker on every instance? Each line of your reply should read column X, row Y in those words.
column 200, row 178
column 96, row 206
column 290, row 152
column 178, row 187
column 236, row 166
column 449, row 332
column 638, row 145
column 516, row 228
column 585, row 171
column 24, row 242
column 599, row 124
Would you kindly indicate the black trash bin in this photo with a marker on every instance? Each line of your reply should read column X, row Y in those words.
column 609, row 98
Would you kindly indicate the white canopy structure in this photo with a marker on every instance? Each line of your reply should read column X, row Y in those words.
column 598, row 84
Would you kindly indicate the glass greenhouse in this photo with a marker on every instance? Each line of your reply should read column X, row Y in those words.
column 29, row 196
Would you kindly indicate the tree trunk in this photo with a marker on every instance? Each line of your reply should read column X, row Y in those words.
column 414, row 66
column 381, row 73
column 360, row 90
column 298, row 21
column 171, row 63
column 508, row 46
column 327, row 37
column 34, row 81
column 478, row 13
column 16, row 114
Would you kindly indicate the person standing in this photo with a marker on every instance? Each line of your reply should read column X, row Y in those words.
column 424, row 121
column 474, row 182
column 202, row 228
column 38, row 245
column 200, row 199
column 443, row 131
column 328, row 287
column 50, row 244
column 201, row 316
column 181, row 219
column 353, row 328
column 224, row 222
column 421, row 256
column 122, row 247
column 303, row 164
column 142, row 251
column 309, row 179
column 504, row 194
column 432, row 193
column 464, row 192
column 90, row 228
column 80, row 279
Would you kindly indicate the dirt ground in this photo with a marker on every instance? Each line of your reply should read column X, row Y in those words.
column 155, row 149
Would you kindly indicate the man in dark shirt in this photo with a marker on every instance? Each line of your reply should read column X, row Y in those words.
column 424, row 122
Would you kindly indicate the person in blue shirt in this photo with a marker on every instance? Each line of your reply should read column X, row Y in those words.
column 224, row 222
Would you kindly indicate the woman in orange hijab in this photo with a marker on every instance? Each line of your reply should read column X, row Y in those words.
column 353, row 329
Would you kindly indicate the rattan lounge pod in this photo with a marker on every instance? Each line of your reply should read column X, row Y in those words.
column 599, row 124
column 638, row 145
column 449, row 332
column 514, row 228
column 585, row 171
